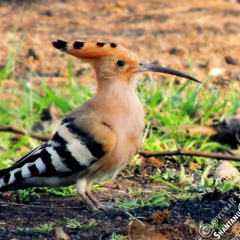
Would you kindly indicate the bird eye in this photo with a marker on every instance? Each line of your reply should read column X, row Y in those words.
column 120, row 63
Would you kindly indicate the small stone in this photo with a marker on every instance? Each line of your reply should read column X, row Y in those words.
column 232, row 61
column 93, row 220
column 216, row 71
column 226, row 171
column 32, row 53
column 2, row 223
column 48, row 13
column 177, row 51
column 119, row 186
column 60, row 234
column 121, row 4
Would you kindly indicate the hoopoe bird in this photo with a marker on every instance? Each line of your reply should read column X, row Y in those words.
column 99, row 138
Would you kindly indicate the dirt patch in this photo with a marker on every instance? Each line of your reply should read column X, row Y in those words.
column 171, row 33
column 176, row 34
column 180, row 220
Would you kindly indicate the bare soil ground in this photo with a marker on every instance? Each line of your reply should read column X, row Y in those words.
column 180, row 220
column 171, row 33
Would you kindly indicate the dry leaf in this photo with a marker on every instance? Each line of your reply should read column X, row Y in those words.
column 194, row 165
column 152, row 161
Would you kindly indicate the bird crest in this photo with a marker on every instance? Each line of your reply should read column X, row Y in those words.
column 93, row 50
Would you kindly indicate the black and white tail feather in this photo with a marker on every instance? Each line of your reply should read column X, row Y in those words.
column 59, row 162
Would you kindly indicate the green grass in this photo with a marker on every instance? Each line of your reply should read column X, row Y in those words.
column 115, row 236
column 60, row 191
column 45, row 228
column 163, row 198
column 26, row 195
column 74, row 224
column 168, row 105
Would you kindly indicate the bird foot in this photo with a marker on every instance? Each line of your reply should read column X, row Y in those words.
column 97, row 204
column 103, row 207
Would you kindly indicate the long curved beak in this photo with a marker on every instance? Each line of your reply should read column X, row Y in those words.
column 145, row 67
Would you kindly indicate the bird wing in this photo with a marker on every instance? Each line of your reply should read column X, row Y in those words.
column 78, row 143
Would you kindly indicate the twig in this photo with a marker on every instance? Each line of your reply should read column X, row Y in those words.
column 190, row 129
column 184, row 152
column 19, row 131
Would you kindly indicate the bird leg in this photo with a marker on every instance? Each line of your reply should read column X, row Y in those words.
column 94, row 200
column 88, row 203
column 83, row 189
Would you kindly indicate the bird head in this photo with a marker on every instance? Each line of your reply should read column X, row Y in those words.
column 112, row 61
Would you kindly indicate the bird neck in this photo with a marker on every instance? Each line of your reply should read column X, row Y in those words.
column 116, row 96
column 113, row 84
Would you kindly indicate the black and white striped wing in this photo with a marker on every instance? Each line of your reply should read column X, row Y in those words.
column 54, row 163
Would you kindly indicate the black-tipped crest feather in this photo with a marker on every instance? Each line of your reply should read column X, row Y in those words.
column 59, row 44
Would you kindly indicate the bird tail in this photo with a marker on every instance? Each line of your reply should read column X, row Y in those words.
column 3, row 182
column 12, row 178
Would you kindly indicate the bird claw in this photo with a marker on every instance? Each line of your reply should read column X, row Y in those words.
column 103, row 207
column 97, row 205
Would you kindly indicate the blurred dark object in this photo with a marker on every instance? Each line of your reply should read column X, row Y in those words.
column 49, row 119
column 228, row 131
column 232, row 61
column 32, row 53
column 20, row 1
